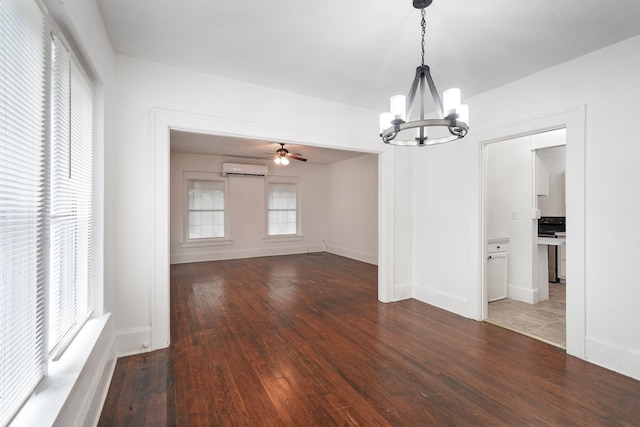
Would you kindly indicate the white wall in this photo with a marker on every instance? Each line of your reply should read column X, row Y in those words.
column 352, row 219
column 404, row 217
column 448, row 228
column 510, row 208
column 246, row 200
column 446, row 203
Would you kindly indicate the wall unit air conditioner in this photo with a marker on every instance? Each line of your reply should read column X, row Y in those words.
column 245, row 170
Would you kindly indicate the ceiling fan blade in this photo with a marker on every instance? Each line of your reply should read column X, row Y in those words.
column 294, row 157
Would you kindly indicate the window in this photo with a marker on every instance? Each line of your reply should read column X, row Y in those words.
column 282, row 216
column 70, row 199
column 206, row 209
column 45, row 200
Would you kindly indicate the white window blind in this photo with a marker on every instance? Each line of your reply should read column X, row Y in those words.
column 45, row 200
column 22, row 243
column 70, row 298
column 282, row 209
column 205, row 209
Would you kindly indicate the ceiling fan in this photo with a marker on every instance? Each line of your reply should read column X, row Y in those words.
column 283, row 155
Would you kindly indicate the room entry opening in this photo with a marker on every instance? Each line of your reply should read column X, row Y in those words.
column 524, row 195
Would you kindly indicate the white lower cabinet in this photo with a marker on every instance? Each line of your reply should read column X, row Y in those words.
column 562, row 262
column 497, row 271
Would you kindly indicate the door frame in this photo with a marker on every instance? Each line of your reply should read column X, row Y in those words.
column 574, row 120
column 163, row 121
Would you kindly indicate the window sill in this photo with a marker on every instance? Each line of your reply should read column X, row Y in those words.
column 45, row 406
column 283, row 238
column 201, row 243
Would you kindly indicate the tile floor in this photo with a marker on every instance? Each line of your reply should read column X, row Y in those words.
column 545, row 320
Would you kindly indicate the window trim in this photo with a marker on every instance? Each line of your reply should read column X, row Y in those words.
column 283, row 237
column 207, row 241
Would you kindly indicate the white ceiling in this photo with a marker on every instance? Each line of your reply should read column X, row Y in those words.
column 359, row 52
column 186, row 142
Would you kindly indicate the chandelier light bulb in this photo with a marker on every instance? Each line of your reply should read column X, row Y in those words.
column 284, row 161
column 399, row 107
column 385, row 121
column 463, row 113
column 277, row 160
column 451, row 101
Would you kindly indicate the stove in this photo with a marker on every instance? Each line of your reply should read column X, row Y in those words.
column 548, row 226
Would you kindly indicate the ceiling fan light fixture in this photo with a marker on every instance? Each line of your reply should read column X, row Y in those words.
column 454, row 116
column 283, row 155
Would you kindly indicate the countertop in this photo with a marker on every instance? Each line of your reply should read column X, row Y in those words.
column 498, row 240
column 552, row 241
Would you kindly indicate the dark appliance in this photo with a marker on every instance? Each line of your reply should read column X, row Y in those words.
column 548, row 226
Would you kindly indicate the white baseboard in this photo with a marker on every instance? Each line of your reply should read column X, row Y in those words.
column 623, row 360
column 402, row 291
column 133, row 341
column 519, row 293
column 449, row 302
column 246, row 253
column 349, row 253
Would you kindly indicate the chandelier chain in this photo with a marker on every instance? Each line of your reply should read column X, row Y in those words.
column 423, row 23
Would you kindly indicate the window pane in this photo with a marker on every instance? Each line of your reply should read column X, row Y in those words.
column 282, row 205
column 71, row 280
column 282, row 222
column 206, row 195
column 282, row 196
column 205, row 217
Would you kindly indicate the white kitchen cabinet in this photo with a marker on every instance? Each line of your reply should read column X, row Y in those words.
column 542, row 177
column 497, row 270
column 562, row 263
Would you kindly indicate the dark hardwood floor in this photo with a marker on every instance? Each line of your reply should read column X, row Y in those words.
column 302, row 341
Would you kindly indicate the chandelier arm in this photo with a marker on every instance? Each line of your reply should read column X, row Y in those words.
column 434, row 92
column 422, row 91
column 458, row 130
column 412, row 93
column 448, row 123
column 421, row 138
column 390, row 136
column 415, row 143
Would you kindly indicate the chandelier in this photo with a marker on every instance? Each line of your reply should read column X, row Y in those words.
column 396, row 128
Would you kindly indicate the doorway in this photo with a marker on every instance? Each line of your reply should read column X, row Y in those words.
column 525, row 177
column 163, row 121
